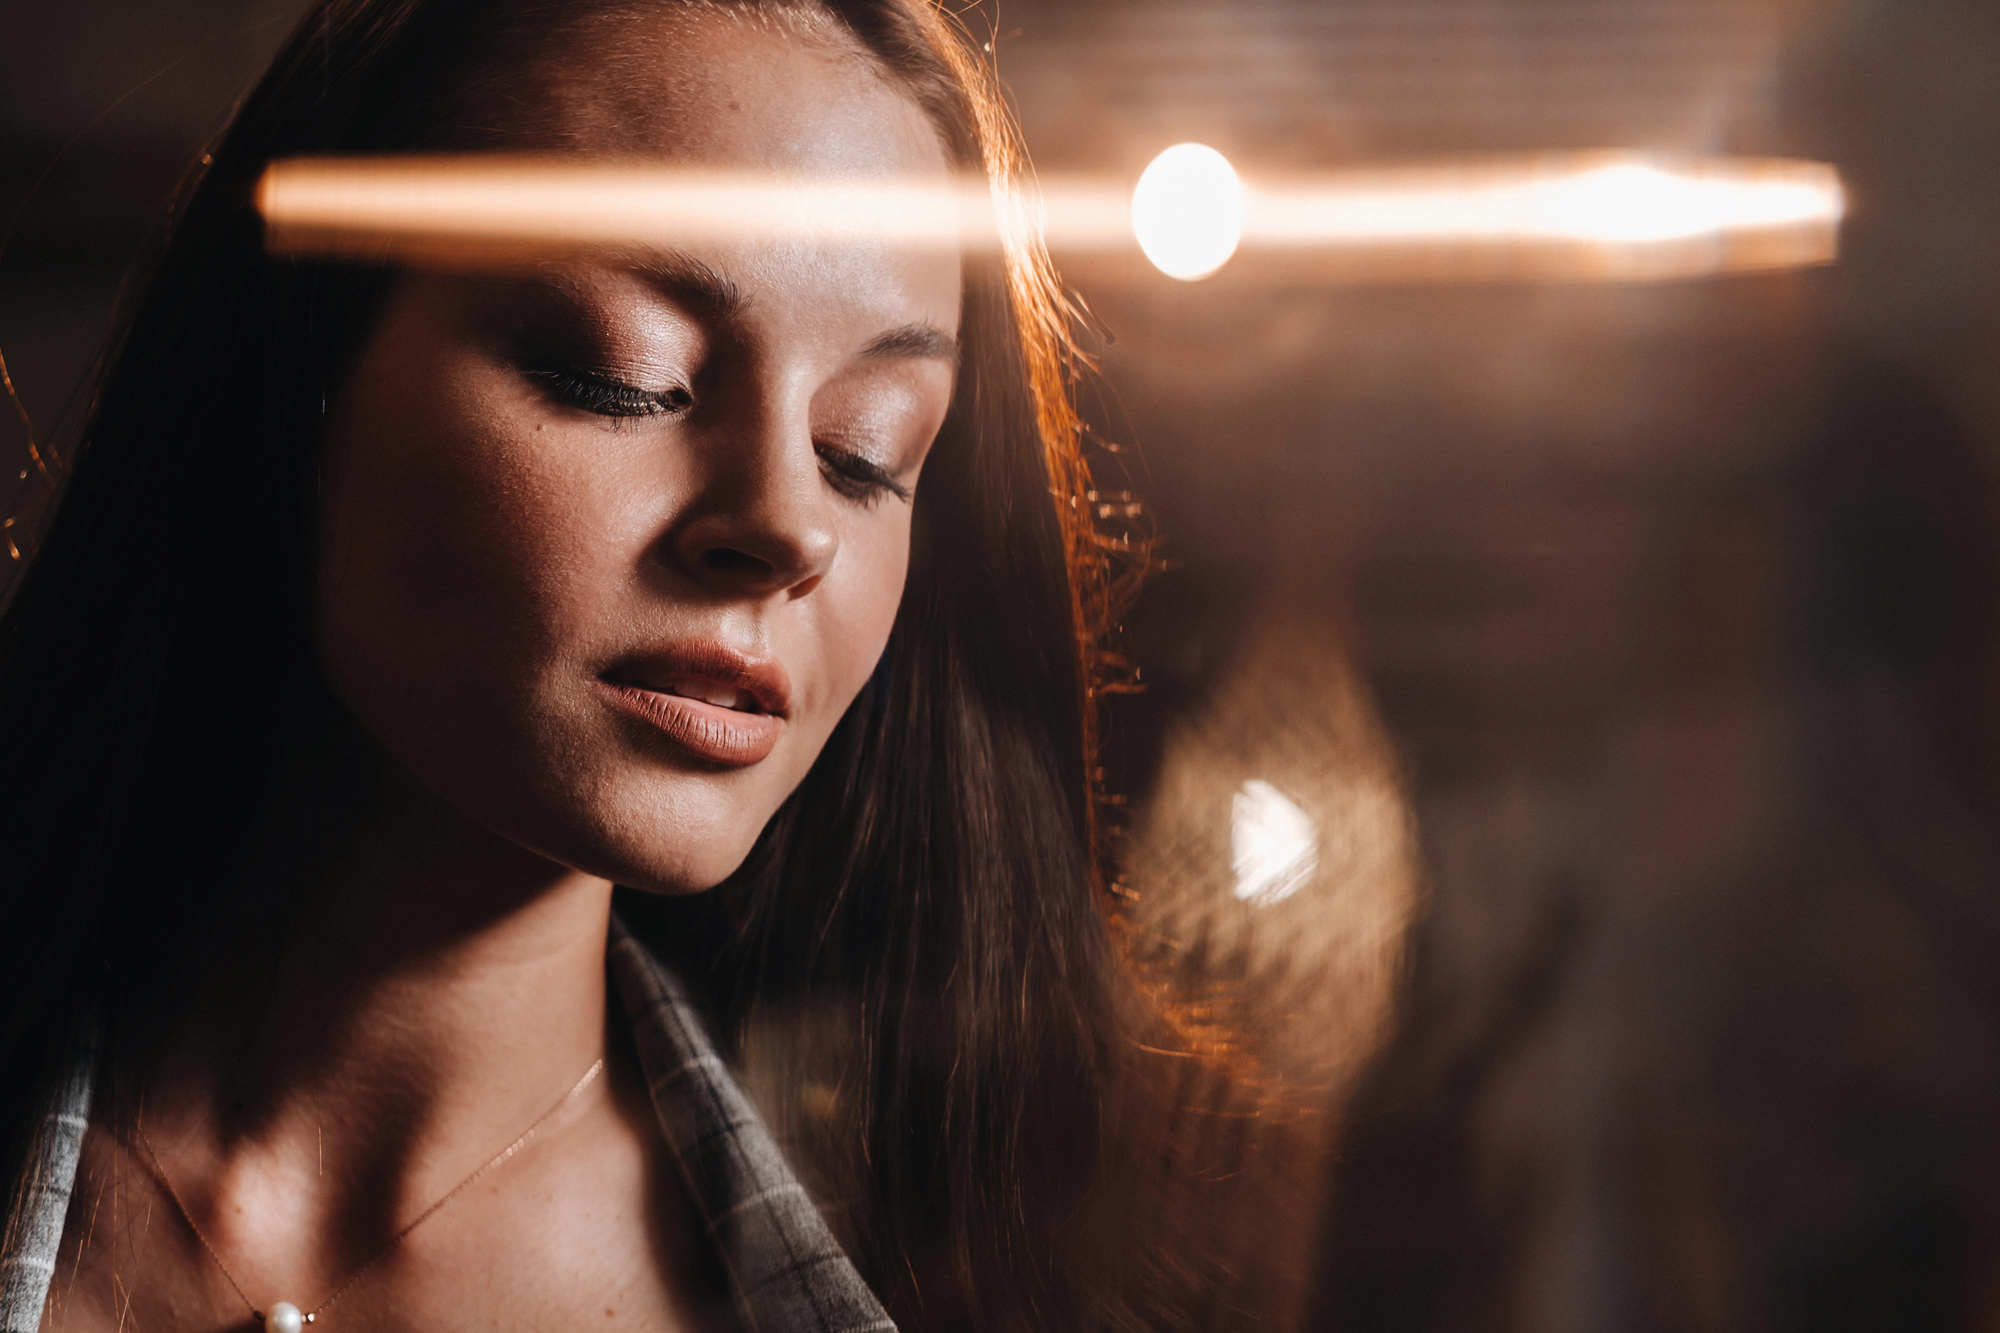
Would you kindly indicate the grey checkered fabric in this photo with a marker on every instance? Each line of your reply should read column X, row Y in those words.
column 787, row 1271
column 41, row 1197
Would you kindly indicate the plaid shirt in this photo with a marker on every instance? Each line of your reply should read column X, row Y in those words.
column 787, row 1272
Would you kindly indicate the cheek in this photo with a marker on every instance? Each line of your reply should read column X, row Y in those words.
column 463, row 546
column 856, row 624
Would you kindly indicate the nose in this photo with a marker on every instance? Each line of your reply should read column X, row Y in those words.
column 761, row 524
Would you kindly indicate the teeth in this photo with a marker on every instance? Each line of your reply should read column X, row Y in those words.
column 709, row 692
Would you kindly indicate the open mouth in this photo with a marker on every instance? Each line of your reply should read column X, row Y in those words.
column 717, row 705
column 714, row 723
column 706, row 691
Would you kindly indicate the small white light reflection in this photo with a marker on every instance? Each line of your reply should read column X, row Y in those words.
column 1187, row 211
column 1635, row 203
column 1273, row 845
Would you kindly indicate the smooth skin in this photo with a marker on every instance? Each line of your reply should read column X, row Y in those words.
column 532, row 479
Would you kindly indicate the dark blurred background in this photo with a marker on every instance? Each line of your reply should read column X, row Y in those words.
column 1633, row 647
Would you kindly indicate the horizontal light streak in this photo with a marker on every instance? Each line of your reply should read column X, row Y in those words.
column 499, row 206
column 1616, row 201
column 1600, row 215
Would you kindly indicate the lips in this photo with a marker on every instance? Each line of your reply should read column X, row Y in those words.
column 721, row 705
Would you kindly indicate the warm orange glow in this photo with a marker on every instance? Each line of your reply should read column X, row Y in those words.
column 1564, row 217
column 498, row 207
column 1589, row 215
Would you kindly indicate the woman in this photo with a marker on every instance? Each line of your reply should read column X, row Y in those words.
column 390, row 619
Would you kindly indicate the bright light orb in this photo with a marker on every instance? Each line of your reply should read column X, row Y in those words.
column 1273, row 845
column 1187, row 211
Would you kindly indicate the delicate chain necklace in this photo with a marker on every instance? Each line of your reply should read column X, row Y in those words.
column 283, row 1316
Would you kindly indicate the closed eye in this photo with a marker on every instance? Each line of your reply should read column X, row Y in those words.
column 612, row 398
column 857, row 478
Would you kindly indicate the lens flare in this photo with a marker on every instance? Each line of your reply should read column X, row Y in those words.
column 1568, row 217
column 500, row 208
column 1187, row 211
column 1554, row 216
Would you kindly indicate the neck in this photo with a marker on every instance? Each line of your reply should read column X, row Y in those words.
column 426, row 990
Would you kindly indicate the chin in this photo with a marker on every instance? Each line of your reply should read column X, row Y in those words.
column 677, row 842
column 675, row 878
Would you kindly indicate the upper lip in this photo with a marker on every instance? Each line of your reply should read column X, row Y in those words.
column 762, row 678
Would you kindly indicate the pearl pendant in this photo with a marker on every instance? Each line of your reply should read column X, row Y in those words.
column 284, row 1318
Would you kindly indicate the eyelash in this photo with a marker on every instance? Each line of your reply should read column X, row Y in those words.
column 857, row 478
column 609, row 398
column 849, row 473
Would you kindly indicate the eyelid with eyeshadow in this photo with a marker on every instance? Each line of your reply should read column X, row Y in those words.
column 857, row 477
column 603, row 396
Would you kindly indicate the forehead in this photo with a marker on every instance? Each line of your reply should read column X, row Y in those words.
column 788, row 93
column 785, row 90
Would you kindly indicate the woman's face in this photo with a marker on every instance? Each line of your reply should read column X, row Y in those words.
column 609, row 547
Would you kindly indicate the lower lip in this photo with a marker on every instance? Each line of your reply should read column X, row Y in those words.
column 718, row 735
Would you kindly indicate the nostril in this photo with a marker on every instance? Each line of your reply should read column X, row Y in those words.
column 724, row 560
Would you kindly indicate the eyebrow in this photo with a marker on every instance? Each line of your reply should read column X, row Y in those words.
column 689, row 280
column 914, row 340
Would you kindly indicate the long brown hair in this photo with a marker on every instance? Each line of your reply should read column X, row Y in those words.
column 932, row 878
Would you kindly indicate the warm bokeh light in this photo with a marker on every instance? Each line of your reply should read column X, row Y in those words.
column 1187, row 211
column 1273, row 844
